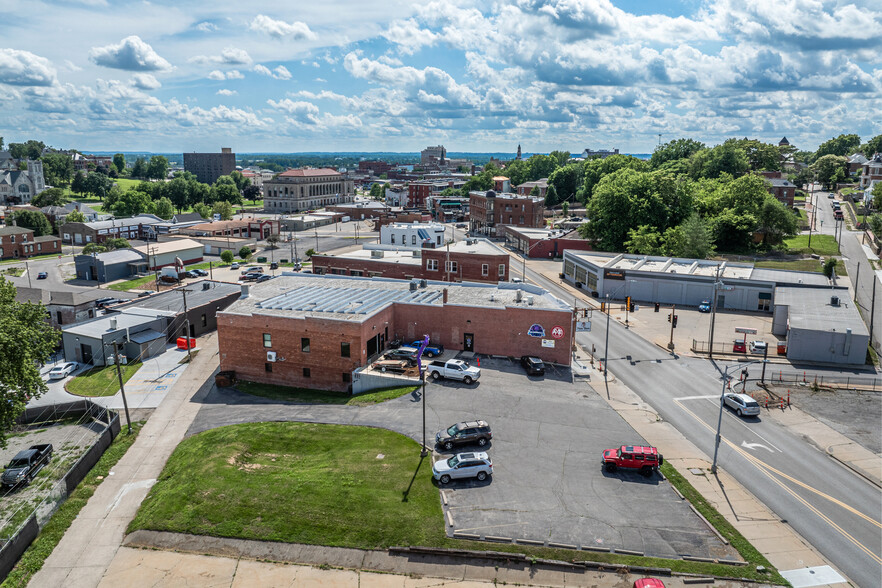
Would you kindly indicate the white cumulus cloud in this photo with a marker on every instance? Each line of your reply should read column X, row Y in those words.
column 229, row 56
column 23, row 68
column 131, row 54
column 280, row 73
column 225, row 92
column 145, row 81
column 281, row 29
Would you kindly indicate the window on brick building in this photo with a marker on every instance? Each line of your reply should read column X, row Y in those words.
column 306, row 373
column 268, row 366
column 393, row 239
column 450, row 266
column 501, row 269
column 522, row 219
column 413, row 239
column 267, row 337
column 344, row 349
column 347, row 377
column 432, row 265
column 485, row 269
column 304, row 344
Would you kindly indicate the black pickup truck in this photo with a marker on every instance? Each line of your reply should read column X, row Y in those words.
column 25, row 465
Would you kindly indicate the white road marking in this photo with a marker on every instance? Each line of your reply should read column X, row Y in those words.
column 747, row 445
column 698, row 398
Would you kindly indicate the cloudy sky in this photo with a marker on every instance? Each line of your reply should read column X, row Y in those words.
column 392, row 75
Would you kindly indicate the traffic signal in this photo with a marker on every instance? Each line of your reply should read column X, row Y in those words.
column 630, row 305
column 675, row 321
column 602, row 306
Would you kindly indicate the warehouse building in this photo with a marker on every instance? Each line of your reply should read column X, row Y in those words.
column 315, row 331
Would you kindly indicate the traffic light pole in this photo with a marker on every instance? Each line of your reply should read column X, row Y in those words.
column 673, row 322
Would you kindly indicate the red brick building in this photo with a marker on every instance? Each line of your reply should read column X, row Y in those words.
column 467, row 261
column 257, row 228
column 402, row 217
column 375, row 167
column 781, row 189
column 315, row 331
column 418, row 193
column 488, row 209
column 18, row 242
column 544, row 243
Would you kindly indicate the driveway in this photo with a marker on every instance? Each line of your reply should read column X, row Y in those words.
column 547, row 486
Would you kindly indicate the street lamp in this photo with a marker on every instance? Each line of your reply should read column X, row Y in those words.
column 722, row 402
column 606, row 345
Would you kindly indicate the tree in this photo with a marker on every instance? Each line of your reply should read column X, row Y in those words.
column 177, row 192
column 566, row 208
column 98, row 185
column 869, row 148
column 203, row 209
column 875, row 222
column 224, row 209
column 75, row 216
column 119, row 160
column 245, row 252
column 34, row 220
column 733, row 231
column 78, row 185
column 29, row 150
column 567, row 180
column 139, row 168
column 241, row 181
column 830, row 169
column 842, row 145
column 560, row 157
column 644, row 240
column 58, row 169
column 251, row 193
column 802, row 178
column 877, row 196
column 91, row 248
column 551, row 198
column 596, row 169
column 272, row 240
column 310, row 252
column 674, row 150
column 227, row 256
column 131, row 203
column 776, row 221
column 118, row 243
column 163, row 208
column 50, row 197
column 727, row 158
column 829, row 267
column 26, row 342
column 225, row 189
column 376, row 191
column 694, row 239
column 158, row 167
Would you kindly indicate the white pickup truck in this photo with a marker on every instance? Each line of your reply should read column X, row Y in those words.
column 454, row 369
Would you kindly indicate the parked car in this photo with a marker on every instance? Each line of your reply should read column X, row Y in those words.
column 234, row 265
column 99, row 303
column 453, row 369
column 467, row 432
column 200, row 272
column 250, row 277
column 25, row 465
column 463, row 465
column 63, row 370
column 255, row 269
column 705, row 306
column 42, row 276
column 517, row 280
column 263, row 278
column 274, row 265
column 191, row 274
column 395, row 366
column 533, row 365
column 145, row 293
column 430, row 350
column 406, row 353
column 742, row 404
column 831, row 195
column 643, row 458
column 758, row 347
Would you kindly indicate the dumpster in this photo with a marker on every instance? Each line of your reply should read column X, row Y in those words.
column 261, row 260
column 739, row 347
column 182, row 343
column 782, row 347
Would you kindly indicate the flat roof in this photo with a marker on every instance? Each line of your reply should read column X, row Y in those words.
column 506, row 196
column 405, row 256
column 99, row 326
column 173, row 301
column 354, row 299
column 163, row 247
column 811, row 308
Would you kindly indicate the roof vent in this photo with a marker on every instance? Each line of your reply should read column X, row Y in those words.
column 423, row 283
column 519, row 295
column 530, row 300
column 245, row 291
column 834, row 301
column 113, row 323
column 413, row 286
column 376, row 253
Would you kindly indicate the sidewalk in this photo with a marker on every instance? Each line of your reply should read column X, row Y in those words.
column 92, row 541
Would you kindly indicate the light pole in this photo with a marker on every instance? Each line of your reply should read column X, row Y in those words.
column 606, row 343
column 717, row 282
column 722, row 402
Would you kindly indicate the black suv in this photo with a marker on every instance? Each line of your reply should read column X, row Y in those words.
column 533, row 365
column 408, row 353
column 477, row 432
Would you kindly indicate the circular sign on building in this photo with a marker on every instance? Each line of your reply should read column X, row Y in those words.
column 557, row 332
column 536, row 330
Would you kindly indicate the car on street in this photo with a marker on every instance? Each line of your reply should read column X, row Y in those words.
column 263, row 278
column 234, row 266
column 533, row 365
column 758, row 347
column 705, row 306
column 831, row 195
column 463, row 465
column 408, row 353
column 63, row 370
column 742, row 404
column 643, row 458
column 145, row 293
column 254, row 269
column 200, row 272
column 42, row 276
column 464, row 433
column 274, row 265
column 250, row 277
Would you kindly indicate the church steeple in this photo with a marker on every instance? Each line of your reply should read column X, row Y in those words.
column 519, row 152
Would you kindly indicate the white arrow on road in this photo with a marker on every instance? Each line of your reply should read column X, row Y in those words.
column 747, row 445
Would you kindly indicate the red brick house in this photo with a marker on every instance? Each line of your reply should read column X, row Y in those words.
column 488, row 210
column 782, row 189
column 19, row 242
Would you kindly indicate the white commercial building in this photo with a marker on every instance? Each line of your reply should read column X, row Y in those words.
column 413, row 234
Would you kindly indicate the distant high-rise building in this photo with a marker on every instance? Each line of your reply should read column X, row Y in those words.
column 433, row 155
column 208, row 167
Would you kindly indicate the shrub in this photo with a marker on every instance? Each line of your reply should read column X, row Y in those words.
column 227, row 256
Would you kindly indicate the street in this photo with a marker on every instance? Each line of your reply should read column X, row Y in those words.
column 834, row 509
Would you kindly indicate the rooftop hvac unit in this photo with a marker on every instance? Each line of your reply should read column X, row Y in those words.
column 377, row 253
column 423, row 283
column 413, row 286
column 530, row 300
column 206, row 285
column 834, row 300
column 518, row 295
column 113, row 323
column 271, row 356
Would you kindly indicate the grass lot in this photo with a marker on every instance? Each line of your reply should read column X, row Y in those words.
column 35, row 555
column 821, row 245
column 100, row 381
column 13, row 271
column 204, row 265
column 329, row 488
column 801, row 265
column 309, row 396
column 135, row 284
column 34, row 258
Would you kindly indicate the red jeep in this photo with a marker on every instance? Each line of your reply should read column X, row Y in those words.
column 645, row 459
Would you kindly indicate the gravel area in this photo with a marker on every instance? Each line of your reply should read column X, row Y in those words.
column 855, row 414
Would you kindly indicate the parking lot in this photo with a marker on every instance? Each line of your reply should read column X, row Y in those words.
column 548, row 485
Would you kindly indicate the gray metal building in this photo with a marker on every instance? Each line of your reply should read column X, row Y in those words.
column 109, row 266
column 820, row 325
column 139, row 336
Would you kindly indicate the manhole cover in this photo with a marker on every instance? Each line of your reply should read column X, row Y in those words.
column 696, row 471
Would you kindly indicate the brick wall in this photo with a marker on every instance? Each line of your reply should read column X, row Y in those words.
column 469, row 266
column 324, row 264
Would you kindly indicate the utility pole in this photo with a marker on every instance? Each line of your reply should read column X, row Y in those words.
column 857, row 280
column 122, row 388
column 873, row 308
column 210, row 271
column 713, row 315
column 424, row 451
column 28, row 272
column 316, row 238
column 814, row 211
column 673, row 319
column 187, row 320
column 606, row 346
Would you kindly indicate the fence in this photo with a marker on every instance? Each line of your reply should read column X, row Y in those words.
column 15, row 546
column 704, row 346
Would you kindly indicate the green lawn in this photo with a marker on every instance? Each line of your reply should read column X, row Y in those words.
column 12, row 271
column 800, row 265
column 135, row 284
column 101, row 381
column 821, row 245
column 327, row 485
column 309, row 396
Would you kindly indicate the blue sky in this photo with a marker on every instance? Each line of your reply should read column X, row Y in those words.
column 391, row 75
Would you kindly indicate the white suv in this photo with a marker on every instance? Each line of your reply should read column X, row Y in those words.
column 742, row 404
column 463, row 465
column 758, row 347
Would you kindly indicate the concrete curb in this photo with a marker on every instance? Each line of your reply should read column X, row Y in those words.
column 709, row 526
column 854, row 468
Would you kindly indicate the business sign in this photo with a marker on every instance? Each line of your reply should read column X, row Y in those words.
column 746, row 330
column 548, row 343
column 583, row 325
column 536, row 331
column 613, row 274
column 557, row 332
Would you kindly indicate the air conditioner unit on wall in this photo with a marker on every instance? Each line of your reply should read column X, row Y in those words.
column 271, row 356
